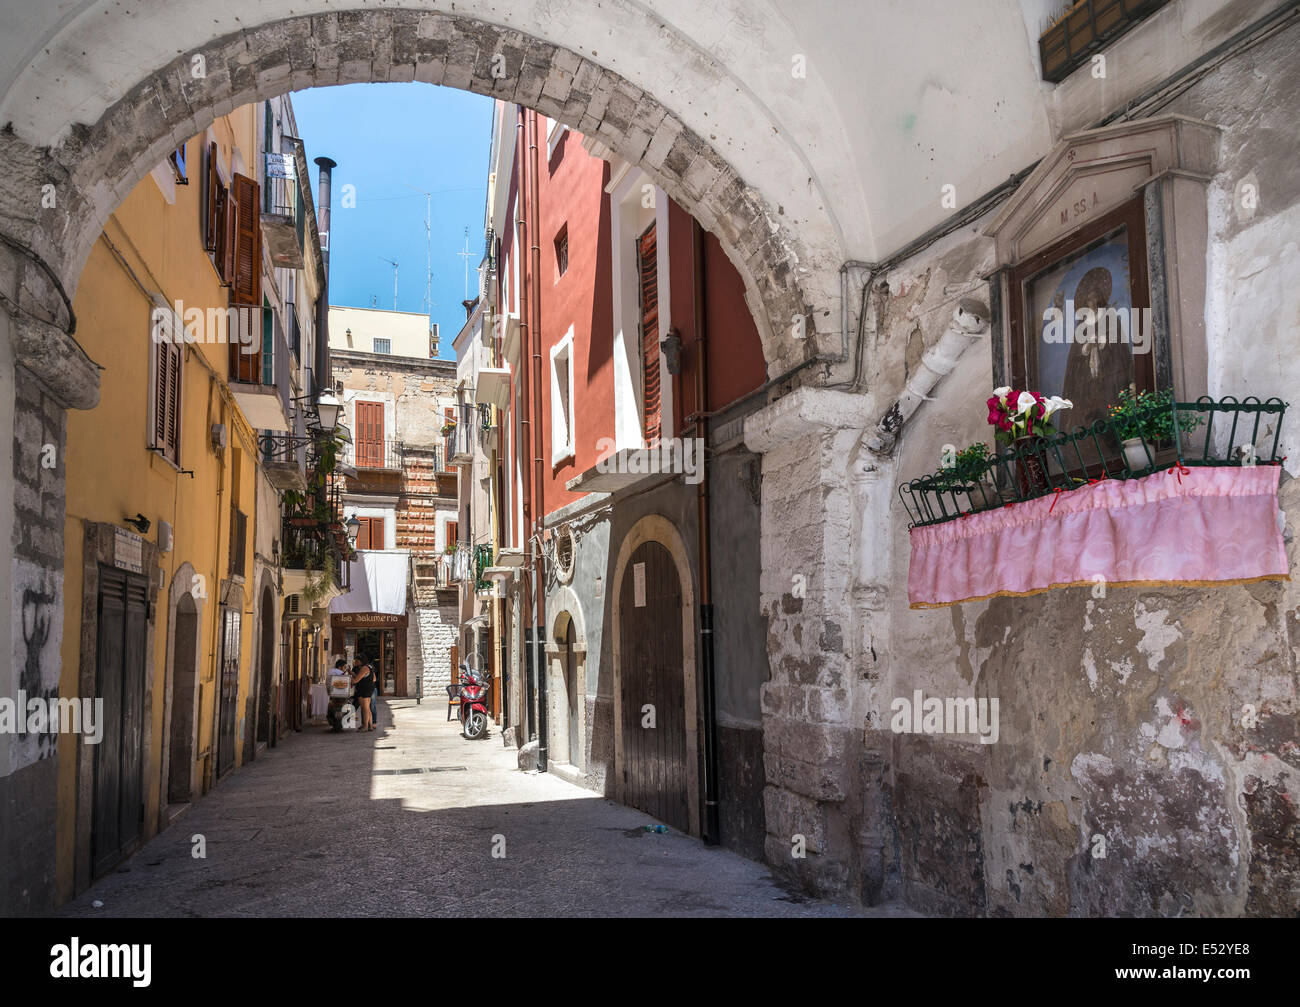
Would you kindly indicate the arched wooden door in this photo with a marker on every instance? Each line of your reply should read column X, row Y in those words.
column 651, row 674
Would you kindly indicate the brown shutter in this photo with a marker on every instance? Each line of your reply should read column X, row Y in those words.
column 453, row 533
column 211, row 220
column 650, row 333
column 370, row 434
column 175, row 356
column 246, row 283
column 225, row 253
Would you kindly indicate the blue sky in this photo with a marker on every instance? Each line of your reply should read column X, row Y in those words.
column 386, row 137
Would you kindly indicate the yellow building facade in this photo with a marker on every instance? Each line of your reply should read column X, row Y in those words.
column 173, row 614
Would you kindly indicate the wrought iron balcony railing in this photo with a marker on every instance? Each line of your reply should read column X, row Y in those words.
column 1045, row 465
column 375, row 454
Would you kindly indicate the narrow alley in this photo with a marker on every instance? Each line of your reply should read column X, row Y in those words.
column 295, row 835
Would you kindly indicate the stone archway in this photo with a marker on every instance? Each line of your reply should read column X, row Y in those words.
column 570, row 711
column 89, row 168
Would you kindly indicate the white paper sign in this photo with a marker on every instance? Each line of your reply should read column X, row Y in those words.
column 128, row 551
column 638, row 585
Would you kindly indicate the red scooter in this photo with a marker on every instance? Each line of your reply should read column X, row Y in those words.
column 472, row 690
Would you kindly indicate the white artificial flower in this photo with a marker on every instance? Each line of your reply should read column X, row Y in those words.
column 1026, row 402
column 1001, row 393
column 1055, row 403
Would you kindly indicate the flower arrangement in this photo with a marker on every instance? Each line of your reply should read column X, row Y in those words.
column 1016, row 414
column 1149, row 415
column 448, row 427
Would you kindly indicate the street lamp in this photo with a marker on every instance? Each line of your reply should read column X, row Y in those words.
column 354, row 530
column 328, row 408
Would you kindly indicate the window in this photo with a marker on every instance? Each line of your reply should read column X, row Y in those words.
column 1086, row 27
column 217, row 225
column 562, row 252
column 246, row 268
column 562, row 399
column 371, row 534
column 452, row 536
column 649, row 288
column 383, row 345
column 165, row 407
column 177, row 160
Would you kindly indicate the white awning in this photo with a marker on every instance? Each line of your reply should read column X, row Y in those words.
column 378, row 583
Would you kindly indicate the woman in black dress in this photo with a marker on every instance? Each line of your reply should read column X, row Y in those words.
column 364, row 680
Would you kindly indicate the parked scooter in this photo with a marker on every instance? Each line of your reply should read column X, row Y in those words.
column 342, row 716
column 473, row 691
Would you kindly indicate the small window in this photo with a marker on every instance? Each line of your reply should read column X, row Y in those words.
column 562, row 252
column 165, row 428
column 177, row 160
column 562, row 399
column 383, row 346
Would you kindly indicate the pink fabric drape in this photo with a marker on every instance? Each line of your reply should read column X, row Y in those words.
column 1198, row 526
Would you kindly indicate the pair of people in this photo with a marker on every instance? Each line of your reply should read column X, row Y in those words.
column 366, row 682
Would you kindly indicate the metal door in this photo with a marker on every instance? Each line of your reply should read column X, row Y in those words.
column 229, row 690
column 652, row 675
column 118, row 805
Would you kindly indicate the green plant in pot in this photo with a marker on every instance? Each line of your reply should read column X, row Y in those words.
column 958, row 469
column 1143, row 420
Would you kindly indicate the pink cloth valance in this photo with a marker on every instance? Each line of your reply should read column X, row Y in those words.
column 1197, row 526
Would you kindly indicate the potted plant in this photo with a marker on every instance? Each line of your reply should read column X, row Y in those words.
column 1021, row 419
column 449, row 428
column 1141, row 420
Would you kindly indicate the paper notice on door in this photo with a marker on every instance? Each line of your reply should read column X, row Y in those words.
column 638, row 585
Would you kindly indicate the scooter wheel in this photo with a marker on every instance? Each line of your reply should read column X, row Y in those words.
column 475, row 724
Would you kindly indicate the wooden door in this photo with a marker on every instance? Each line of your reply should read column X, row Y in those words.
column 230, row 623
column 118, row 804
column 370, row 434
column 571, row 687
column 651, row 674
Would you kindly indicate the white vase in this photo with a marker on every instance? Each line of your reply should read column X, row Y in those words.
column 1135, row 454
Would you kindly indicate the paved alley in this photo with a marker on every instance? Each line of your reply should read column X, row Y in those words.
column 402, row 823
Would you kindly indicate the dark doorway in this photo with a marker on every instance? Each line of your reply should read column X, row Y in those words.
column 266, row 668
column 180, row 759
column 571, row 694
column 230, row 623
column 120, row 655
column 652, row 675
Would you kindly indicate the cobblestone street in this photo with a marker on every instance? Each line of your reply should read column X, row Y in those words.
column 401, row 823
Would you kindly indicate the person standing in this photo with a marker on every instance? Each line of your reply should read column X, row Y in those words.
column 364, row 680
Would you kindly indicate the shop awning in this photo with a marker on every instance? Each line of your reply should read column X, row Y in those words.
column 378, row 583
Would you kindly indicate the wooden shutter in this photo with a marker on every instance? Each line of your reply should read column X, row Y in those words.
column 371, row 535
column 167, row 399
column 246, row 283
column 453, row 533
column 370, row 434
column 213, row 183
column 649, row 332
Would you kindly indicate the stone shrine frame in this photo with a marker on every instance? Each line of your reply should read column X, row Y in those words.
column 1149, row 175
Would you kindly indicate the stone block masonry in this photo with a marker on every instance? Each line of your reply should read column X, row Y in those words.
column 429, row 640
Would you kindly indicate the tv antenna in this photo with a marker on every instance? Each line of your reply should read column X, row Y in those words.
column 466, row 256
column 394, row 265
column 428, row 253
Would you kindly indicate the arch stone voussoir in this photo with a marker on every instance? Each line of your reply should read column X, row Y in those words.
column 94, row 166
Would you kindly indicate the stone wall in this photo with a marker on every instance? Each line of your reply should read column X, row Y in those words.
column 431, row 634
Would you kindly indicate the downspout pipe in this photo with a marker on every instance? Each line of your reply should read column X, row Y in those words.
column 323, row 186
column 525, row 419
column 969, row 322
column 539, row 487
column 703, row 529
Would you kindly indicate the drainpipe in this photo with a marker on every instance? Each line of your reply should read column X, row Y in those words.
column 539, row 511
column 711, row 834
column 969, row 322
column 327, row 167
column 525, row 421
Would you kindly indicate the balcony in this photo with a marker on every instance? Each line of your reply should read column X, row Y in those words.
column 260, row 368
column 387, row 455
column 1141, row 498
column 460, row 442
column 1088, row 26
column 284, row 460
column 283, row 219
column 493, row 386
column 312, row 562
